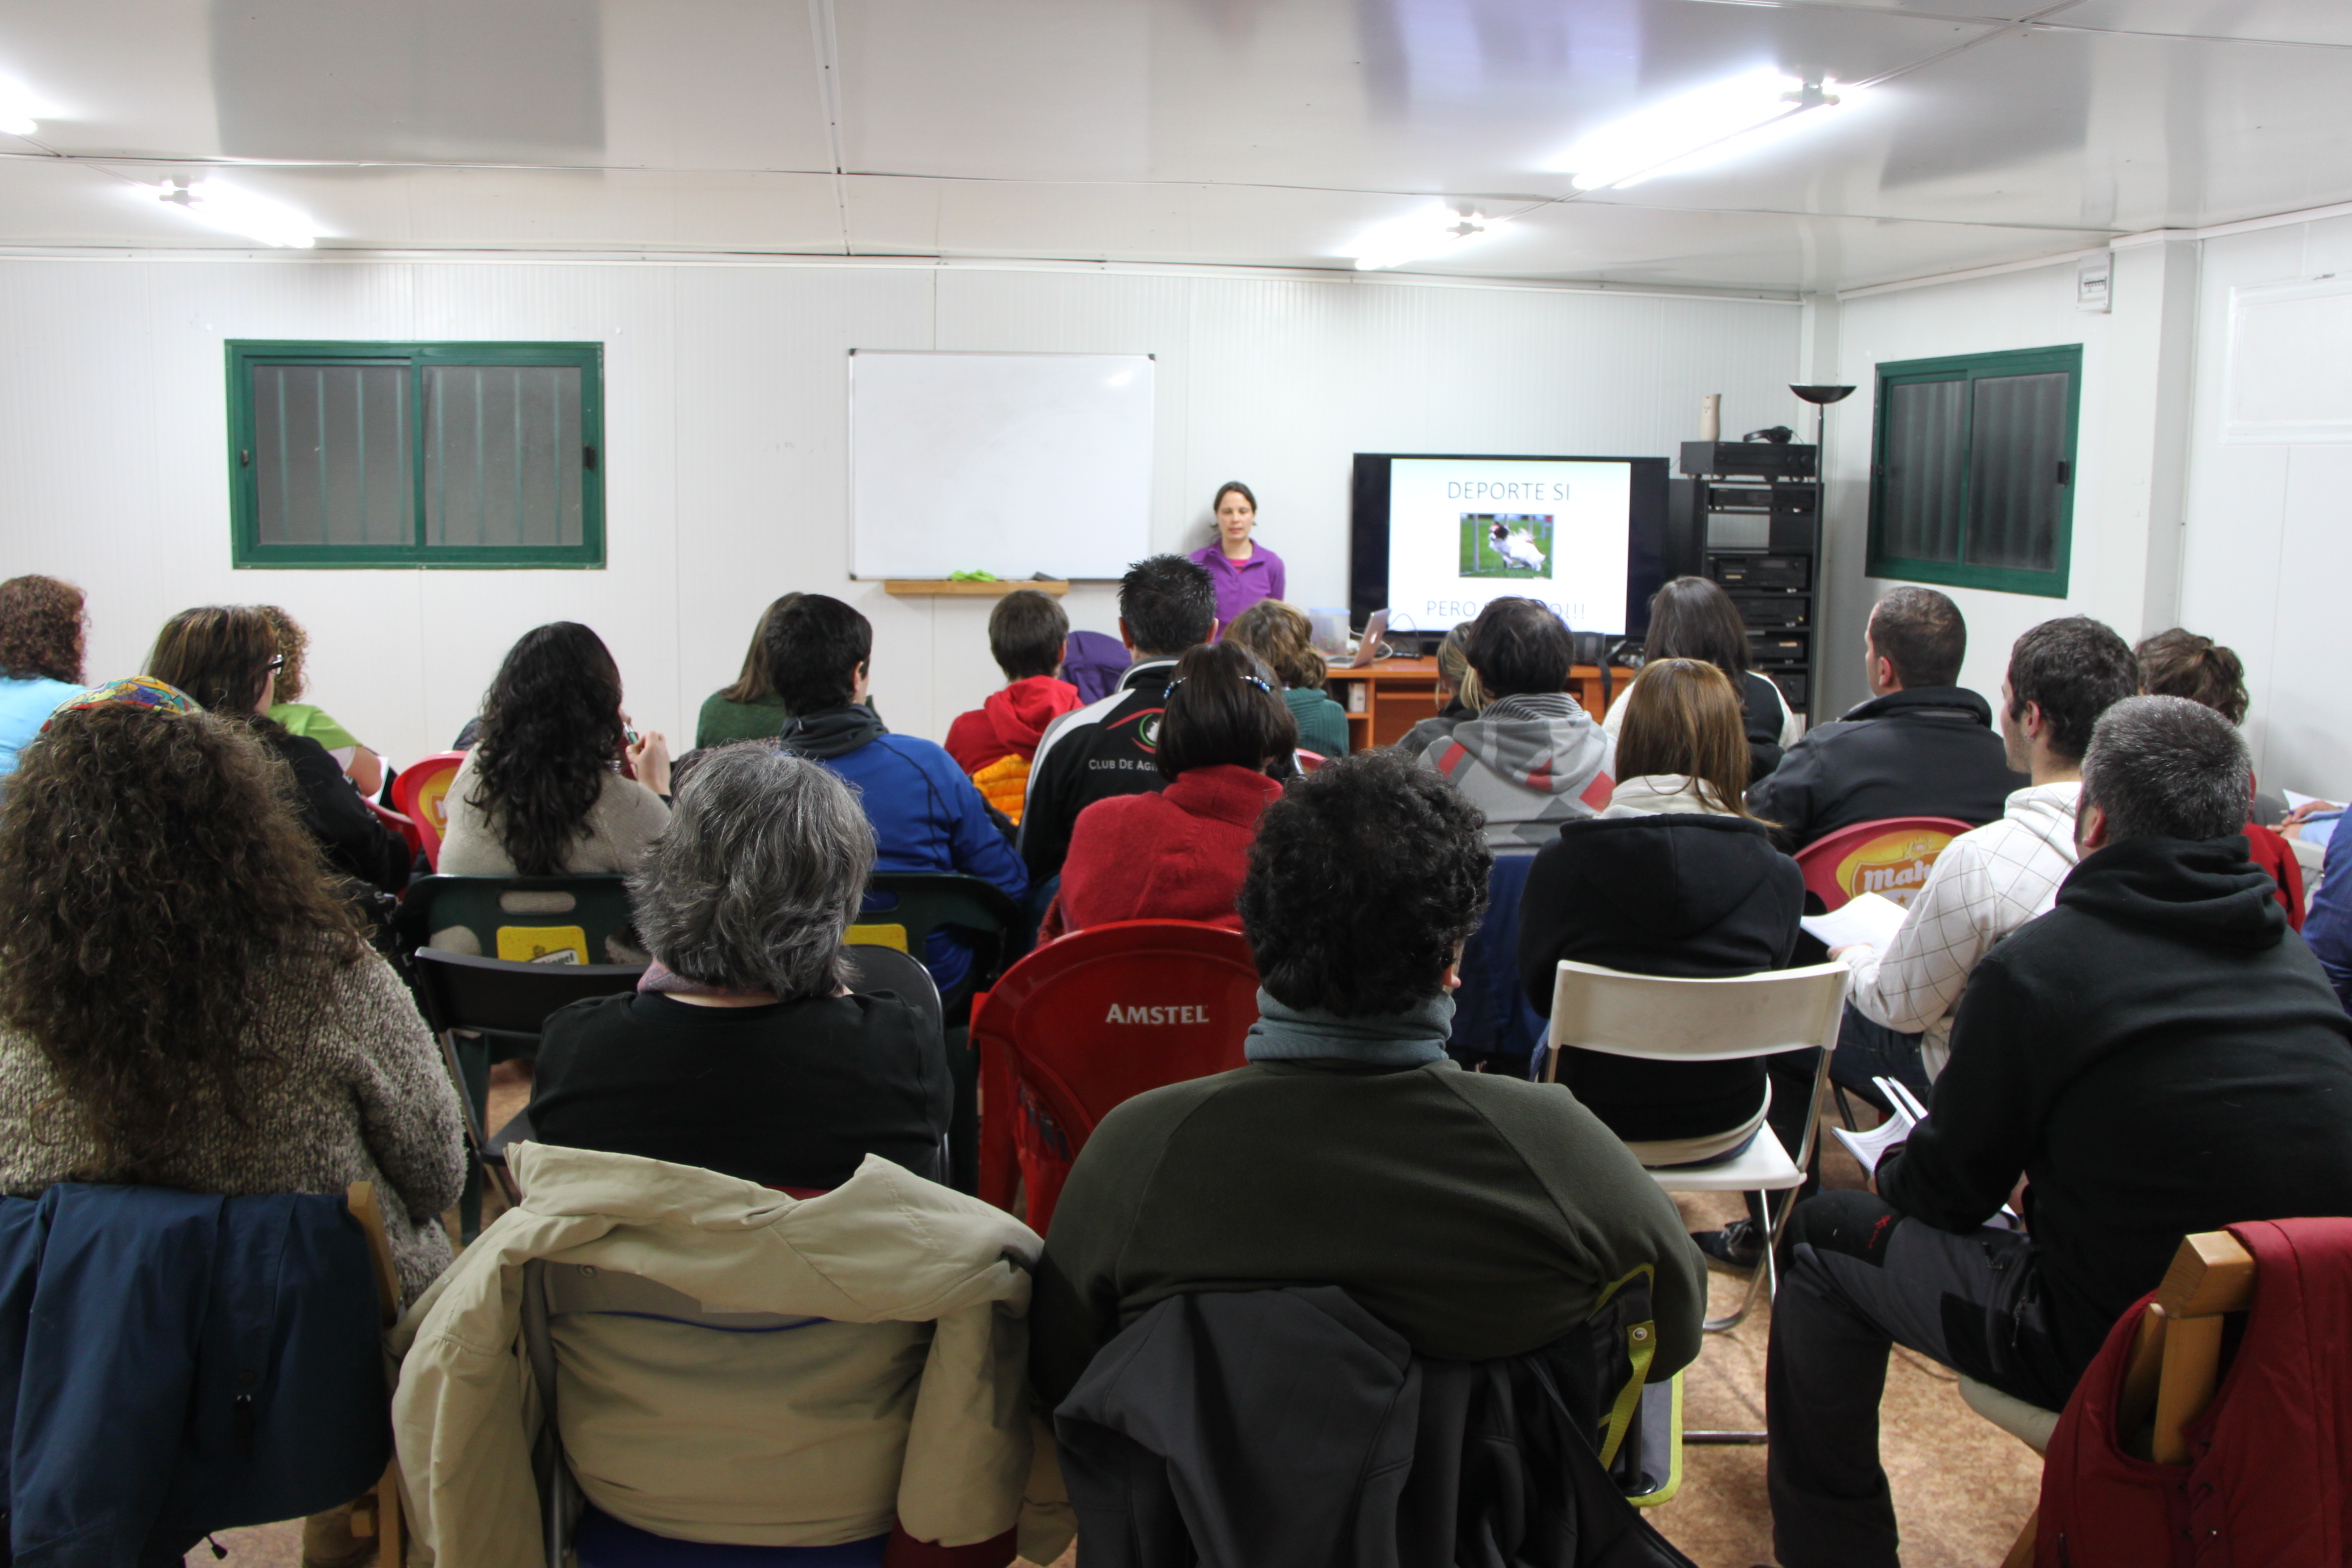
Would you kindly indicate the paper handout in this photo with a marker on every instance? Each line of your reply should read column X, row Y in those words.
column 1866, row 917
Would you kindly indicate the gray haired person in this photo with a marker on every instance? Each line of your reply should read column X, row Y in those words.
column 743, row 1050
column 2158, row 1055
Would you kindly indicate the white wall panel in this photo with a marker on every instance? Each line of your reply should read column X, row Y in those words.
column 2266, row 549
column 725, row 420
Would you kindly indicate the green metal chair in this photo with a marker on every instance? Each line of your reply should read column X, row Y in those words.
column 902, row 909
column 559, row 920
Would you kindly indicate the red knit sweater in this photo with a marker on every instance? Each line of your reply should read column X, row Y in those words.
column 1171, row 854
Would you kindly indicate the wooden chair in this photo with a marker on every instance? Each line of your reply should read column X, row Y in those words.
column 379, row 1514
column 2174, row 1369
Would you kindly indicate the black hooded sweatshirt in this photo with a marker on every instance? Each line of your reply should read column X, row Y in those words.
column 1672, row 894
column 2161, row 1055
column 1930, row 751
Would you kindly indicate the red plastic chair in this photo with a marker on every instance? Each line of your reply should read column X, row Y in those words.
column 419, row 791
column 397, row 823
column 1094, row 1019
column 1890, row 858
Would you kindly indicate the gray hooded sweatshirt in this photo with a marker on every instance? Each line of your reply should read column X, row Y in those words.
column 1529, row 762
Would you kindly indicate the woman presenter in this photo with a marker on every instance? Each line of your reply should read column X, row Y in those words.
column 1243, row 572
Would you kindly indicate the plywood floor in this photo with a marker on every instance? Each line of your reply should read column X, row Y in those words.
column 1962, row 1487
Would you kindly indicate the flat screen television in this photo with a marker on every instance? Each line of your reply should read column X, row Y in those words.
column 1434, row 537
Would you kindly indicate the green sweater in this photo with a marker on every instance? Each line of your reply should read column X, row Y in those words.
column 1322, row 723
column 1478, row 1216
column 722, row 723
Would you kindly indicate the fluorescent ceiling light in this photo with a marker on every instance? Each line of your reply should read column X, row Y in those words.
column 19, row 108
column 1435, row 230
column 234, row 211
column 1699, row 129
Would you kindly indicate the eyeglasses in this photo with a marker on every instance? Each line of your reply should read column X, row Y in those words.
column 1246, row 680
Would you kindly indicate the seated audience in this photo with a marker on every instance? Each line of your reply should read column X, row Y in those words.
column 1922, row 746
column 926, row 815
column 1166, row 605
column 2157, row 1055
column 184, row 1000
column 1458, row 694
column 1675, row 878
column 743, row 1050
column 41, row 636
column 2179, row 663
column 1479, row 1216
column 363, row 767
column 994, row 742
column 225, row 657
column 1693, row 618
column 1532, row 759
column 541, row 792
column 1283, row 639
column 1989, row 881
column 1179, row 854
column 749, row 709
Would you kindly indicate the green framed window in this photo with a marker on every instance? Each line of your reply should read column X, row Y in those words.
column 416, row 454
column 1972, row 470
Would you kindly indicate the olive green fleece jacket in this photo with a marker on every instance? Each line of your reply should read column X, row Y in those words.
column 1479, row 1216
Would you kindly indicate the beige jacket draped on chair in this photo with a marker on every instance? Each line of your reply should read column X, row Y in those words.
column 908, row 1399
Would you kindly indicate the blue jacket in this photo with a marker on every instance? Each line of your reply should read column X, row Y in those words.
column 2328, row 927
column 173, row 1364
column 927, row 815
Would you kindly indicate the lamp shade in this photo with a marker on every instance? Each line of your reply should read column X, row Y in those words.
column 1819, row 395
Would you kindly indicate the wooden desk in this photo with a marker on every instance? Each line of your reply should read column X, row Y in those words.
column 1399, row 693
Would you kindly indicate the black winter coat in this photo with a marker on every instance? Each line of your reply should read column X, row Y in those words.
column 1272, row 1428
column 1672, row 894
column 2161, row 1055
column 1927, row 752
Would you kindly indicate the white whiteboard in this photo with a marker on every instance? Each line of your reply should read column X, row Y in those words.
column 1006, row 463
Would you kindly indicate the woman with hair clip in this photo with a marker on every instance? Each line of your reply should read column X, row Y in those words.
column 41, row 638
column 1693, row 618
column 226, row 658
column 1243, row 570
column 541, row 793
column 184, row 1000
column 1283, row 639
column 1677, row 878
column 1179, row 852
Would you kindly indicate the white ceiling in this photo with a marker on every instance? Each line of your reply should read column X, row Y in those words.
column 1225, row 132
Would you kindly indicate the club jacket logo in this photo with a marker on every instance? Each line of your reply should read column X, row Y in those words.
column 1147, row 728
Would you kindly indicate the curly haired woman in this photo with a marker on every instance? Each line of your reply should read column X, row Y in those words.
column 184, row 999
column 541, row 793
column 40, row 656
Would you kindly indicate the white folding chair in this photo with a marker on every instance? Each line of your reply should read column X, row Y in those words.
column 1664, row 1019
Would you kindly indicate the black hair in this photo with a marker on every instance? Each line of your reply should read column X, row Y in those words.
column 1168, row 604
column 1363, row 879
column 1519, row 646
column 1920, row 632
column 2168, row 767
column 1222, row 708
column 1026, row 631
column 551, row 731
column 1693, row 618
column 815, row 646
column 2075, row 668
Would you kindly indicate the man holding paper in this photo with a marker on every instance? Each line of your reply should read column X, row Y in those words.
column 2159, row 1055
column 2062, row 675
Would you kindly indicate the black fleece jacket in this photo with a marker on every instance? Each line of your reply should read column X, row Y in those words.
column 1926, row 752
column 2161, row 1055
column 1673, row 894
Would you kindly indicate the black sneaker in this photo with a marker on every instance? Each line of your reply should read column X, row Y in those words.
column 1736, row 1249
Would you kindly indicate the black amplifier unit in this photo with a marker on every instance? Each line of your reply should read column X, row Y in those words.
column 1785, row 647
column 1766, row 459
column 1775, row 611
column 1790, row 573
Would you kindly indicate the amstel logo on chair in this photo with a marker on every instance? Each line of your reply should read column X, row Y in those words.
column 1893, row 865
column 1140, row 1014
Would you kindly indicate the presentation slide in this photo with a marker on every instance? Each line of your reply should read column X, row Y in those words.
column 1466, row 530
